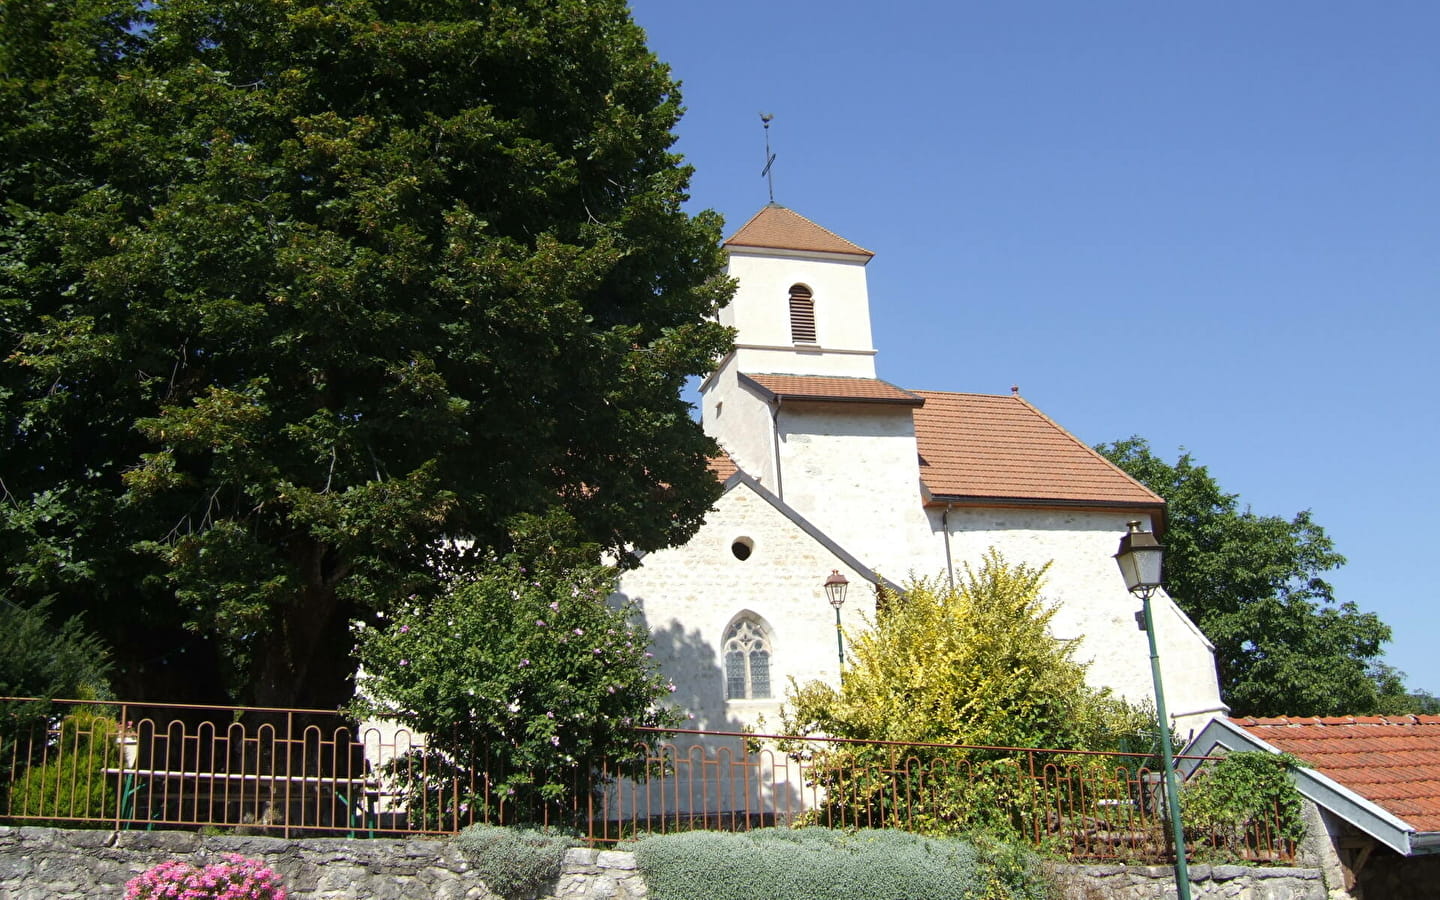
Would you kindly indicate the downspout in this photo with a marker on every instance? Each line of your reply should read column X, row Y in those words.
column 775, row 430
column 945, row 526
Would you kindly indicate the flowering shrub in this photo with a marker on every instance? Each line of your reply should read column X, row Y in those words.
column 237, row 878
column 525, row 683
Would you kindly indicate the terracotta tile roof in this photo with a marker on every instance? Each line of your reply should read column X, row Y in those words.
column 991, row 447
column 1393, row 762
column 832, row 388
column 778, row 228
column 722, row 466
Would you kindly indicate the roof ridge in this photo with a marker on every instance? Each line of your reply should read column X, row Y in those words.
column 963, row 394
column 1406, row 719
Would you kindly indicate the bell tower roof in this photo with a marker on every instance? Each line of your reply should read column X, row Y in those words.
column 776, row 227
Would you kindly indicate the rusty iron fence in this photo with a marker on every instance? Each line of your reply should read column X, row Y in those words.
column 292, row 772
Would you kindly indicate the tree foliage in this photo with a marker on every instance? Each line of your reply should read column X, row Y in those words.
column 40, row 659
column 1254, row 585
column 523, row 680
column 292, row 291
column 971, row 664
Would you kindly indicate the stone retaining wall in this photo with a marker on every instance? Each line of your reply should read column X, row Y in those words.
column 54, row 864
column 1149, row 882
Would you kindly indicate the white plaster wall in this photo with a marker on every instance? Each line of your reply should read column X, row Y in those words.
column 689, row 595
column 760, row 313
column 1094, row 607
column 740, row 420
column 853, row 470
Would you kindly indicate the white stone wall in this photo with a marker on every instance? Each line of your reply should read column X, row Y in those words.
column 760, row 312
column 852, row 469
column 689, row 595
column 1094, row 607
column 741, row 421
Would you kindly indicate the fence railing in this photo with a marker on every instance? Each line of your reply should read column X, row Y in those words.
column 289, row 772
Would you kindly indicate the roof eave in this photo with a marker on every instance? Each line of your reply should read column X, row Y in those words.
column 863, row 257
column 813, row 398
column 1031, row 502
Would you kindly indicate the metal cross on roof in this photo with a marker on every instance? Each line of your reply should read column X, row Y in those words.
column 769, row 157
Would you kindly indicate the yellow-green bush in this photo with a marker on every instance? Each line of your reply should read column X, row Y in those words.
column 70, row 784
column 971, row 664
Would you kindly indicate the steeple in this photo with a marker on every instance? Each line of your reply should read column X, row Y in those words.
column 801, row 306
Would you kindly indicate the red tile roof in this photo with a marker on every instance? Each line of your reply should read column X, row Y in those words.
column 986, row 447
column 777, row 228
column 1393, row 762
column 722, row 466
column 832, row 388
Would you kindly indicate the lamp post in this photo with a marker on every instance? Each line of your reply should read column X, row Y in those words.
column 835, row 587
column 1139, row 559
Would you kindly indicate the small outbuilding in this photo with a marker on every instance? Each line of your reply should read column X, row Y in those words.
column 1375, row 785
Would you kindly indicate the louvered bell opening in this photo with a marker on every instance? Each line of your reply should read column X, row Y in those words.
column 802, row 315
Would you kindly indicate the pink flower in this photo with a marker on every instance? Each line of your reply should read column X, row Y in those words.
column 406, row 662
column 404, row 629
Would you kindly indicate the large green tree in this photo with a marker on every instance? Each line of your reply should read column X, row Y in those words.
column 294, row 292
column 1254, row 584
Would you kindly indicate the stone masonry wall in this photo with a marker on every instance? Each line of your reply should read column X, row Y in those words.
column 1151, row 882
column 53, row 864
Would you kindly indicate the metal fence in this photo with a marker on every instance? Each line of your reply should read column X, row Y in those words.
column 289, row 772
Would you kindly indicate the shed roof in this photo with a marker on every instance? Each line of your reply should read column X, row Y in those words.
column 1392, row 761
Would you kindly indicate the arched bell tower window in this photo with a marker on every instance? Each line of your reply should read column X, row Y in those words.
column 802, row 314
column 747, row 659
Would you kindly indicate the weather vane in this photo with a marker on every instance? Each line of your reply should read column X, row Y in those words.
column 769, row 157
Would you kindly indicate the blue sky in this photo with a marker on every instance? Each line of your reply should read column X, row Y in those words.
column 1213, row 225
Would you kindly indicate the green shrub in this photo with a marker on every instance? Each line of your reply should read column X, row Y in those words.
column 43, row 659
column 1230, row 806
column 514, row 862
column 71, row 784
column 973, row 663
column 825, row 864
column 528, row 684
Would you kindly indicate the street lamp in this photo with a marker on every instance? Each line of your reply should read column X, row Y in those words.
column 1139, row 559
column 835, row 587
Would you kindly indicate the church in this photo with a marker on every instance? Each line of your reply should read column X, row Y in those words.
column 831, row 473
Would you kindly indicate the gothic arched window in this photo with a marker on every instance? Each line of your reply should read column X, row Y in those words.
column 802, row 314
column 747, row 659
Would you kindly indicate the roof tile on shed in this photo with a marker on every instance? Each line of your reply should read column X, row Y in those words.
column 833, row 388
column 994, row 447
column 775, row 227
column 1393, row 761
